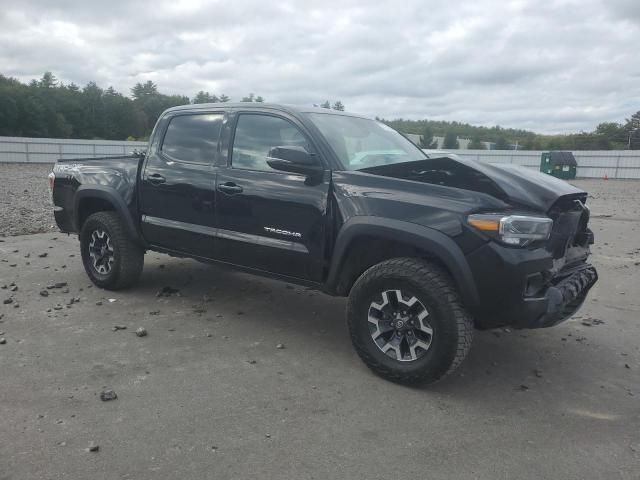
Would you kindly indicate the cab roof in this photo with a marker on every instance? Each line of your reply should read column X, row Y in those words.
column 291, row 109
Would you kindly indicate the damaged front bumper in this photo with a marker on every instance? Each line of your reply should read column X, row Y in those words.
column 521, row 288
column 560, row 301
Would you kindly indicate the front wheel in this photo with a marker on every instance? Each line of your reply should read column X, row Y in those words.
column 111, row 259
column 407, row 322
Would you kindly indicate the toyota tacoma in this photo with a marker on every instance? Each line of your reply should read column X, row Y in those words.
column 426, row 248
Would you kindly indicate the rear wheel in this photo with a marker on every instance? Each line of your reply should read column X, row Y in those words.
column 407, row 322
column 111, row 259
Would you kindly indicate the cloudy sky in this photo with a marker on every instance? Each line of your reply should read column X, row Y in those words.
column 543, row 65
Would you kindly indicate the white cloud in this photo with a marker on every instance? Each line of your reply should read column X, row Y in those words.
column 553, row 66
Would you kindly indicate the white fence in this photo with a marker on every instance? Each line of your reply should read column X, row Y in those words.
column 591, row 163
column 48, row 150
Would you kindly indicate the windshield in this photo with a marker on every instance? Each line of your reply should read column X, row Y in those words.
column 363, row 143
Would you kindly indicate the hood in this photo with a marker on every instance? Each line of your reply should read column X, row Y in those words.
column 513, row 184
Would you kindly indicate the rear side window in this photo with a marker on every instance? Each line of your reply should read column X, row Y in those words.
column 256, row 134
column 193, row 138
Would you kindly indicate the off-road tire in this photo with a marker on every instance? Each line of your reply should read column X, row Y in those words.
column 128, row 256
column 433, row 287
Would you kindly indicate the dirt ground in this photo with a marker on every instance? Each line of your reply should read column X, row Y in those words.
column 207, row 393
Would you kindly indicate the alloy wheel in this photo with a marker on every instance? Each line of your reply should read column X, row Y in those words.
column 398, row 325
column 101, row 252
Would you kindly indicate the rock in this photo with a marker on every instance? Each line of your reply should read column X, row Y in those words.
column 43, row 255
column 141, row 332
column 58, row 307
column 119, row 327
column 7, row 301
column 154, row 312
column 93, row 447
column 108, row 395
column 111, row 300
column 14, row 288
column 268, row 435
column 44, row 293
column 626, row 365
column 3, row 341
column 280, row 346
column 98, row 303
column 537, row 373
column 167, row 291
column 251, row 362
column 523, row 388
column 60, row 285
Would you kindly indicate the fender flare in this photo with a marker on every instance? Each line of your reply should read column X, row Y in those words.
column 112, row 196
column 431, row 241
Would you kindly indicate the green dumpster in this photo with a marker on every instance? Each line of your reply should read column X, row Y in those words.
column 559, row 164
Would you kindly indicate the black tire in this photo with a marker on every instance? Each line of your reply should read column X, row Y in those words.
column 127, row 258
column 451, row 325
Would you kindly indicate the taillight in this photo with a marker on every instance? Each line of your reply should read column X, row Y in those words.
column 52, row 178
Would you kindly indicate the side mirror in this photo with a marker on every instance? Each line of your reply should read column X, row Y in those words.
column 294, row 159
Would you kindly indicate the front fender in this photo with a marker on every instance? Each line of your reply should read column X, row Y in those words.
column 432, row 242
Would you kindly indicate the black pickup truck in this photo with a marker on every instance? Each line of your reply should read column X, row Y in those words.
column 425, row 248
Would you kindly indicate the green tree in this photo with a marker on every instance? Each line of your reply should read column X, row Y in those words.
column 476, row 144
column 48, row 80
column 426, row 139
column 632, row 129
column 223, row 98
column 140, row 91
column 338, row 106
column 259, row 99
column 450, row 141
column 205, row 97
column 250, row 98
column 501, row 144
column 325, row 104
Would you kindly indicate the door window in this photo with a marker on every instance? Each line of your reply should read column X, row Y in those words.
column 257, row 134
column 193, row 138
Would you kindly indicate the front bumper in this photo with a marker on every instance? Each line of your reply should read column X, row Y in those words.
column 516, row 287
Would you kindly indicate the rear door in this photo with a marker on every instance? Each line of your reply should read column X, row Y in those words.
column 268, row 219
column 177, row 184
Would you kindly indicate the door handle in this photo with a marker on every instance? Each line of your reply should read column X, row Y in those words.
column 229, row 187
column 156, row 178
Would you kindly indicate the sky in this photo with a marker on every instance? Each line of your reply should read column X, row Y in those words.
column 551, row 66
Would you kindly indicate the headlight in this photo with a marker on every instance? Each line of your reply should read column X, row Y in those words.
column 517, row 230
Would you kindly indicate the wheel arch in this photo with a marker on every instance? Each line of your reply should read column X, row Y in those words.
column 364, row 241
column 96, row 198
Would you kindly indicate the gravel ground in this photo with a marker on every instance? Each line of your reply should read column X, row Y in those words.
column 25, row 200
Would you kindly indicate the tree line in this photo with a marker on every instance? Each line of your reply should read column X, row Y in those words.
column 606, row 136
column 49, row 108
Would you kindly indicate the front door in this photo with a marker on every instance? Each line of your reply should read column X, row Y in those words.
column 267, row 219
column 177, row 185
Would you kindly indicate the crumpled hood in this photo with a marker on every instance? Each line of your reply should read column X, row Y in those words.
column 511, row 183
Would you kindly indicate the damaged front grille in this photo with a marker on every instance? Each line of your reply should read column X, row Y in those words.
column 570, row 217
